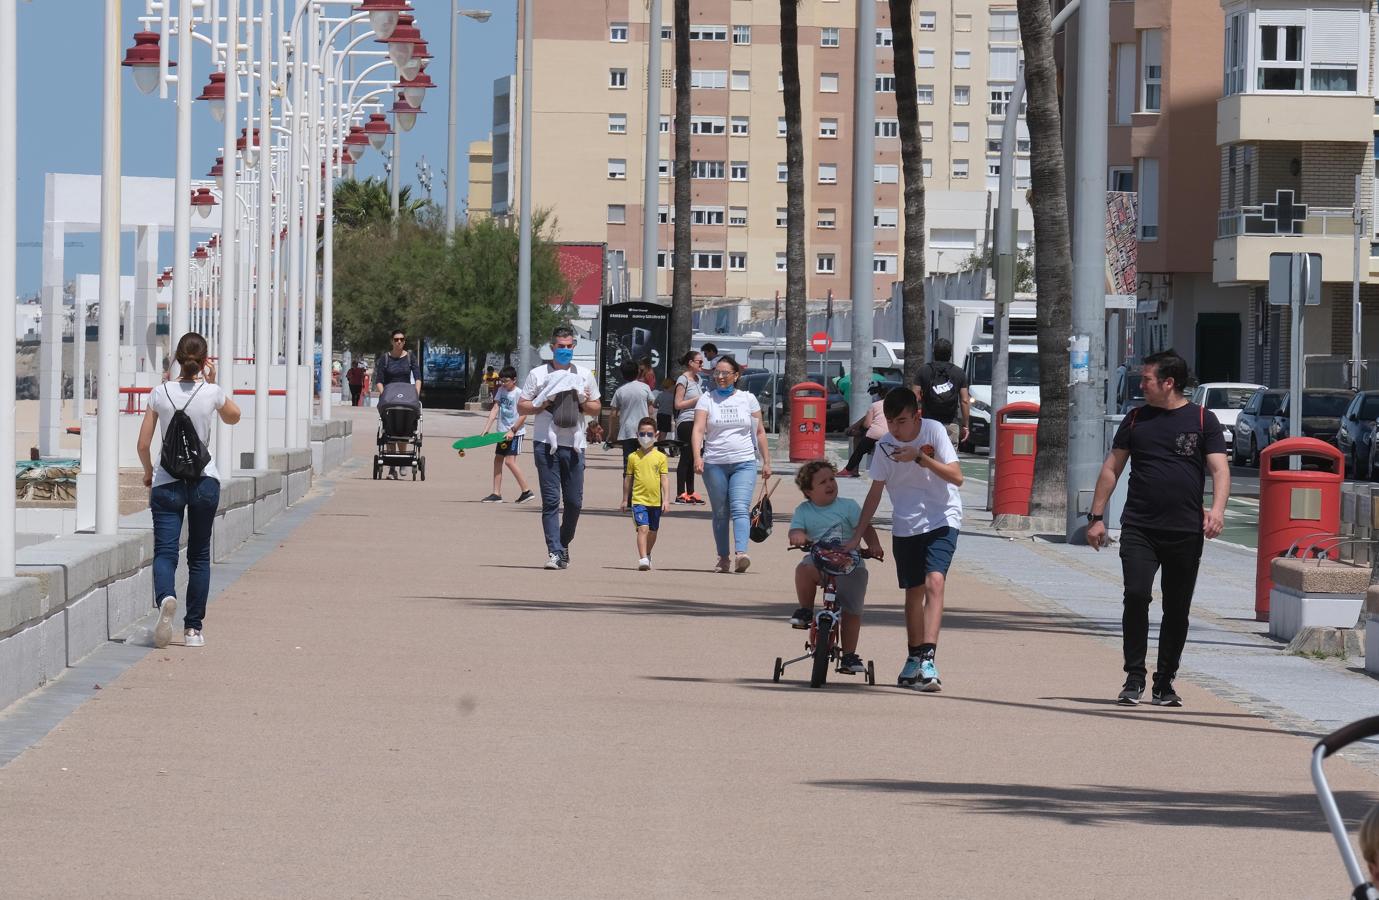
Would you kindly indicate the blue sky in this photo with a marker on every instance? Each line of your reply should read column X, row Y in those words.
column 60, row 111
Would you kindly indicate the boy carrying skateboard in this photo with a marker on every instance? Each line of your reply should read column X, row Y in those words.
column 505, row 453
column 647, row 482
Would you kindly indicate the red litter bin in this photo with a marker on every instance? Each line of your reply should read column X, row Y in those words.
column 1299, row 506
column 1015, row 447
column 808, row 412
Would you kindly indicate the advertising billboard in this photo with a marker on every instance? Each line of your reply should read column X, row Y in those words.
column 584, row 271
column 632, row 331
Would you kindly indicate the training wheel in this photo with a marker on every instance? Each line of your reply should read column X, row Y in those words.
column 461, row 454
column 778, row 671
column 871, row 672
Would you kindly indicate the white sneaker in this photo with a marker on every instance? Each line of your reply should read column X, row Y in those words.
column 194, row 639
column 644, row 564
column 552, row 560
column 162, row 632
column 743, row 561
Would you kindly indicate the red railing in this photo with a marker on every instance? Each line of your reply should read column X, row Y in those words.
column 135, row 404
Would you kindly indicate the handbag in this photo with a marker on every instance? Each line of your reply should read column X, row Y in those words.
column 762, row 518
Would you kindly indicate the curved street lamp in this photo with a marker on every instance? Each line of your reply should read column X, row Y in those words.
column 414, row 89
column 218, row 172
column 203, row 201
column 142, row 60
column 214, row 93
column 404, row 113
column 403, row 40
column 378, row 130
column 356, row 143
column 383, row 14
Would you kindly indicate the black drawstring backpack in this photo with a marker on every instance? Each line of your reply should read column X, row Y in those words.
column 184, row 456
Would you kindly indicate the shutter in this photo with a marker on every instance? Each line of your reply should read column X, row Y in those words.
column 1281, row 17
column 1334, row 37
column 1002, row 63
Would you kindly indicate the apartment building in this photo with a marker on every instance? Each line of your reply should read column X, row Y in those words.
column 1296, row 127
column 479, row 200
column 589, row 87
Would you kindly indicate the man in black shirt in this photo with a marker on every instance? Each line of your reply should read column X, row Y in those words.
column 943, row 389
column 1171, row 445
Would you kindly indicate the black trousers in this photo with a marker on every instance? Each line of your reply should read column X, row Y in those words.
column 1144, row 552
column 355, row 391
column 865, row 445
column 684, row 472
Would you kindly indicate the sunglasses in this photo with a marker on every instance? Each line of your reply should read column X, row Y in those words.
column 646, row 434
column 399, row 340
column 728, row 374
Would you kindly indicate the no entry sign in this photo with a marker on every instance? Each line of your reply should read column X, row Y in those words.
column 820, row 342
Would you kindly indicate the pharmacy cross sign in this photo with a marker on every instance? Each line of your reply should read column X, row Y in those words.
column 1286, row 215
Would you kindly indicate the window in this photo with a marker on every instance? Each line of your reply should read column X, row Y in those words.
column 824, row 264
column 885, row 84
column 1236, row 36
column 663, row 169
column 782, row 172
column 925, row 93
column 707, row 260
column 928, row 21
column 780, row 262
column 708, row 169
column 953, row 239
column 884, row 264
column 885, row 174
column 828, row 37
column 962, row 59
column 888, row 128
column 780, row 126
column 1152, row 69
column 828, row 173
column 884, row 37
column 664, row 258
column 617, row 168
column 665, row 125
column 665, row 214
column 828, row 82
column 617, row 214
column 742, row 34
column 667, row 32
column 742, row 81
column 959, row 168
column 828, row 128
column 740, row 125
column 1004, row 27
column 706, row 215
column 708, row 125
column 1122, row 179
column 1000, row 98
column 781, row 214
column 885, row 218
column 1002, row 63
column 1280, row 58
column 925, row 58
column 993, row 168
column 708, row 32
column 961, row 131
column 737, row 216
column 926, row 168
column 617, row 32
column 926, row 131
column 1334, row 39
column 709, row 79
column 1123, row 58
column 962, row 23
column 827, row 218
column 738, row 171
column 780, row 80
column 1149, row 199
column 617, row 123
column 962, row 95
column 617, row 78
column 737, row 261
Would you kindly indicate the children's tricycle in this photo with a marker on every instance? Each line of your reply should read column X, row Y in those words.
column 1333, row 743
column 824, row 644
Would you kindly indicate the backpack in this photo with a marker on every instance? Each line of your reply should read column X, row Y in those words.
column 184, row 456
column 565, row 408
column 940, row 393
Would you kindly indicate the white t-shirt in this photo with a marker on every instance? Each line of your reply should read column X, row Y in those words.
column 921, row 501
column 544, row 381
column 173, row 395
column 730, row 435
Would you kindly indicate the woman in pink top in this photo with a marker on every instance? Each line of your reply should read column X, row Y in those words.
column 872, row 425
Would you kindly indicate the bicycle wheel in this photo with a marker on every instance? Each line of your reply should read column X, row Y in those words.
column 821, row 653
column 777, row 670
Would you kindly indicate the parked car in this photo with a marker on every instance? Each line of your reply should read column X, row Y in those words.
column 770, row 393
column 1225, row 399
column 1322, row 409
column 1355, row 438
column 1129, row 391
column 1252, row 425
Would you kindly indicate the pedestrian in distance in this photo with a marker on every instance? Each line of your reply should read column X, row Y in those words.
column 560, row 394
column 943, row 393
column 646, row 486
column 710, row 351
column 688, row 389
column 727, row 440
column 916, row 465
column 646, row 372
column 822, row 517
column 631, row 402
column 185, row 483
column 1171, row 445
column 506, row 454
column 398, row 364
column 355, row 378
column 665, row 411
column 868, row 430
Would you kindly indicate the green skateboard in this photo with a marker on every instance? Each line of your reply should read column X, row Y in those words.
column 479, row 440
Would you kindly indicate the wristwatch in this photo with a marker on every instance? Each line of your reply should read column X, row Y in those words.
column 1093, row 518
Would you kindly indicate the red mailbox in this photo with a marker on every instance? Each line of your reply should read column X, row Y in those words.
column 808, row 414
column 1015, row 446
column 1294, row 506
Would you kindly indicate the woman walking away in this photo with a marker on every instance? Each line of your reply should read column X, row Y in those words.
column 185, row 481
column 871, row 428
column 728, row 437
column 687, row 394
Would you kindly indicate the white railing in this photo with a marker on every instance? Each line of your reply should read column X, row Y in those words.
column 1321, row 221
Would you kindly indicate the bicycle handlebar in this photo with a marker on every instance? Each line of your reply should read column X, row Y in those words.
column 808, row 546
column 1349, row 734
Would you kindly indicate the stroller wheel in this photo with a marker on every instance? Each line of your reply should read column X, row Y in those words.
column 377, row 470
column 414, row 473
column 421, row 467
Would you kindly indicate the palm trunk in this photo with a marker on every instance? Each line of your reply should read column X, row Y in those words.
column 1053, row 269
column 912, row 315
column 682, row 295
column 796, row 309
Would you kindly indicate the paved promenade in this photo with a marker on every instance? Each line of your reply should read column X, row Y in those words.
column 396, row 700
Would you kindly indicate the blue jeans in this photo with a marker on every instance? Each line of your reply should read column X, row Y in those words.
column 730, row 487
column 198, row 500
column 561, row 476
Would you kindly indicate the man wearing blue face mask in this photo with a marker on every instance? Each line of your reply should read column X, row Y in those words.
column 560, row 394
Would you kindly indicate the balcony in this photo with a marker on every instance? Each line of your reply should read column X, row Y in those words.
column 1294, row 117
column 1245, row 237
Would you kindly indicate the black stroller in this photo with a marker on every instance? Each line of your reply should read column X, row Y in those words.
column 399, row 410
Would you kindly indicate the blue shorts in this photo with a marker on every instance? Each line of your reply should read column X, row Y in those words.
column 646, row 515
column 509, row 448
column 919, row 554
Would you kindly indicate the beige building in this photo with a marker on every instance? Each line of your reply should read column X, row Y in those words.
column 479, row 201
column 589, row 89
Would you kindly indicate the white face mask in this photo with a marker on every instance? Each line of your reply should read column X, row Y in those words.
column 646, row 441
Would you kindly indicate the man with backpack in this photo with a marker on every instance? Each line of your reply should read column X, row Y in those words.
column 560, row 394
column 942, row 390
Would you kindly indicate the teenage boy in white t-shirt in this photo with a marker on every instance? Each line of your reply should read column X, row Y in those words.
column 916, row 465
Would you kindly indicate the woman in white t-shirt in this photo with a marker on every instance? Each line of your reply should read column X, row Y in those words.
column 727, row 440
column 196, row 393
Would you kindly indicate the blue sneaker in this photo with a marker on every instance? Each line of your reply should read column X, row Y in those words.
column 909, row 676
column 928, row 676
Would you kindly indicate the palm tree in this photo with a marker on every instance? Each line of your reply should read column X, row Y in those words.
column 682, row 287
column 1052, row 257
column 361, row 203
column 912, row 164
column 796, row 309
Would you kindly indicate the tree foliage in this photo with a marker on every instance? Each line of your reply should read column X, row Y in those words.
column 1024, row 266
column 369, row 202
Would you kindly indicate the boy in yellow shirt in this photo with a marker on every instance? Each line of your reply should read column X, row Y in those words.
column 647, row 482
